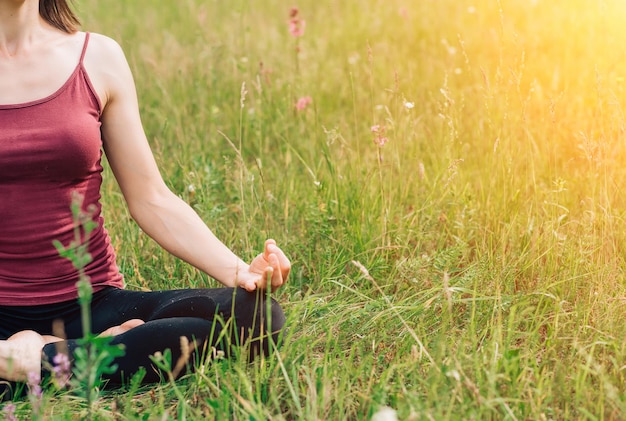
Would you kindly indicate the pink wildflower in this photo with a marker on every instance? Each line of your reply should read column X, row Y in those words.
column 35, row 392
column 303, row 102
column 381, row 140
column 296, row 25
column 61, row 369
column 379, row 135
column 9, row 412
column 34, row 384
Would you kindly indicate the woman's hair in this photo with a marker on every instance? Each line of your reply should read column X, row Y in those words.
column 59, row 14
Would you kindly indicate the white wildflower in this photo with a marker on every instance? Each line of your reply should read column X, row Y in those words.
column 385, row 414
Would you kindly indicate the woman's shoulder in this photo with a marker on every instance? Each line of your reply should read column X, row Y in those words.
column 104, row 47
column 106, row 66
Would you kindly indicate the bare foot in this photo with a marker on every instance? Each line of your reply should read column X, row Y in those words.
column 112, row 331
column 21, row 355
column 124, row 327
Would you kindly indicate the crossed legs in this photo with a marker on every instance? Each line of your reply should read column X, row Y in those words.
column 148, row 322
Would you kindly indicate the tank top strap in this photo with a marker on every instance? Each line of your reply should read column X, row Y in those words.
column 82, row 54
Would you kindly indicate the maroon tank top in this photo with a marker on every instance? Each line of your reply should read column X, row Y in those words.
column 50, row 148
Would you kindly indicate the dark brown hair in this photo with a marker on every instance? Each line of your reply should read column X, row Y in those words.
column 59, row 14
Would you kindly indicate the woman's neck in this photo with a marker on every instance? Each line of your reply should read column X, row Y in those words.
column 20, row 24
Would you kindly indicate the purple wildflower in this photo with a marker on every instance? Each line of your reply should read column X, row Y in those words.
column 9, row 412
column 61, row 369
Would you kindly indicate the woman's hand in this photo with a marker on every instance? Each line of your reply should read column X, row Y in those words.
column 20, row 355
column 272, row 264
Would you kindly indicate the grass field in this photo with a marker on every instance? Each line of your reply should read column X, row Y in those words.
column 471, row 267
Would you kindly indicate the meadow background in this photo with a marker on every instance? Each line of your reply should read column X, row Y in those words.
column 472, row 267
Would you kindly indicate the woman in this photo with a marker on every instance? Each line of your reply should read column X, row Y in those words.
column 65, row 96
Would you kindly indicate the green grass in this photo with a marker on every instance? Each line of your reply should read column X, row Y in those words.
column 471, row 268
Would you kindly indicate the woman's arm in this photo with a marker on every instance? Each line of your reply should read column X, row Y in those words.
column 159, row 212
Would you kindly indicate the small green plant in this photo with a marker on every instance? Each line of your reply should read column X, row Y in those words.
column 95, row 355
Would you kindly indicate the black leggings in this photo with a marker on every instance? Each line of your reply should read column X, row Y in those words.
column 220, row 318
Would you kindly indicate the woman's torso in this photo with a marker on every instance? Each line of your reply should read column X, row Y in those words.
column 50, row 147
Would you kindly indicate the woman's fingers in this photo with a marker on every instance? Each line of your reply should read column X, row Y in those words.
column 284, row 265
column 266, row 250
column 272, row 264
column 277, row 274
column 249, row 285
column 124, row 327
